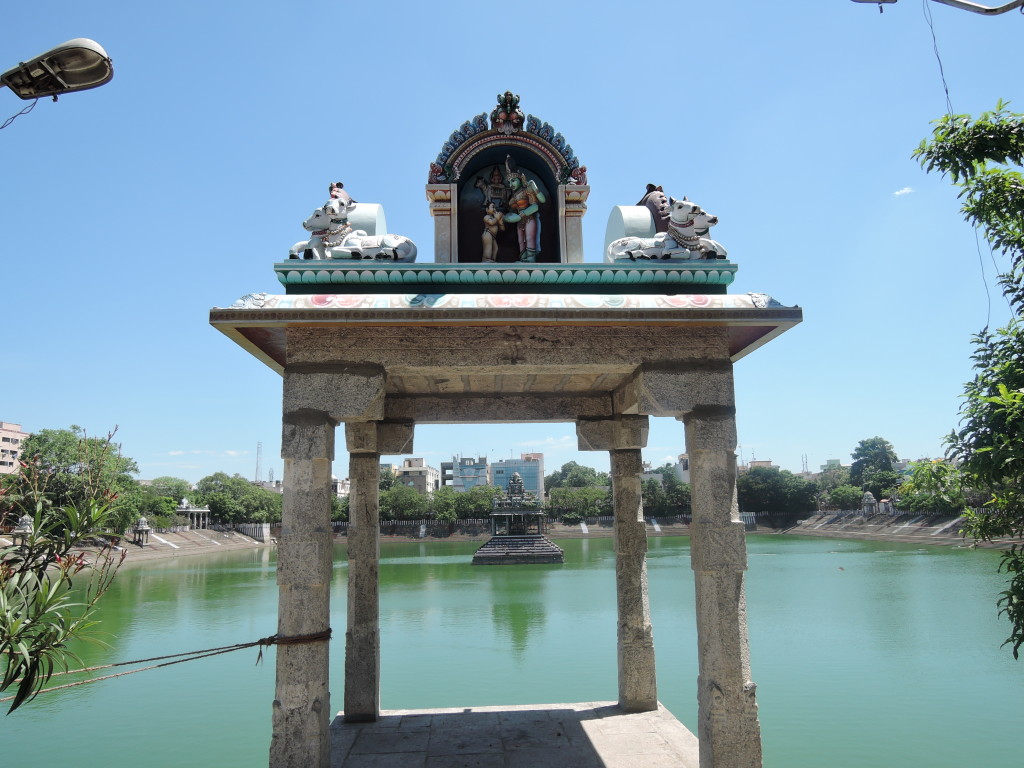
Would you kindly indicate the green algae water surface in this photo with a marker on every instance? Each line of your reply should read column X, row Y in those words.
column 865, row 654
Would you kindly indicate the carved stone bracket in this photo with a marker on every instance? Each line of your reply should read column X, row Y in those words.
column 380, row 437
column 620, row 433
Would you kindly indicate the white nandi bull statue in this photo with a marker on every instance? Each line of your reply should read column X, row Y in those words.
column 686, row 238
column 334, row 238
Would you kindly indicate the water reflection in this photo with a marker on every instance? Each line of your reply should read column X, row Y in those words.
column 898, row 636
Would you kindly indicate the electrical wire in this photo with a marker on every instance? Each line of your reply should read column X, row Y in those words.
column 25, row 111
column 926, row 7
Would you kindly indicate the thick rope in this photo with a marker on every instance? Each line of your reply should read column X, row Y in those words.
column 316, row 637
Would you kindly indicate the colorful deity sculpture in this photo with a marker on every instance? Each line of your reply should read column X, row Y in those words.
column 493, row 223
column 524, row 205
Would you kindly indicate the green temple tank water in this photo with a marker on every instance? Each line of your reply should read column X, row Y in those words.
column 865, row 654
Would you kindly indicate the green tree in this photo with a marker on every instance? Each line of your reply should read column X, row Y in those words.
column 39, row 613
column 172, row 487
column 983, row 158
column 655, row 500
column 78, row 466
column 476, row 503
column 339, row 508
column 387, row 479
column 873, row 455
column 769, row 489
column 934, row 487
column 400, row 502
column 443, row 504
column 573, row 475
column 573, row 504
column 234, row 499
column 844, row 497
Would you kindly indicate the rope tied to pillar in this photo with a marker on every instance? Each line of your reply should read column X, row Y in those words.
column 316, row 637
column 178, row 658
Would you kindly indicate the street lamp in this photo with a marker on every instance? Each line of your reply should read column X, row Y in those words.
column 76, row 65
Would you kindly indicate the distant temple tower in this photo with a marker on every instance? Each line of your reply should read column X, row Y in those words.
column 517, row 530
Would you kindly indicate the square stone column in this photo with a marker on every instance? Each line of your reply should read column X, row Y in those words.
column 302, row 710
column 623, row 437
column 728, row 728
column 366, row 442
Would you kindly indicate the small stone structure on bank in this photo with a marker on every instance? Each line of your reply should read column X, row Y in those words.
column 508, row 324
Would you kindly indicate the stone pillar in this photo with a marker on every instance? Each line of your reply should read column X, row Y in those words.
column 572, row 205
column 366, row 442
column 444, row 209
column 316, row 398
column 623, row 437
column 301, row 712
column 728, row 728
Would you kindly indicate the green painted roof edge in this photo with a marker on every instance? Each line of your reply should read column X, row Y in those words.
column 508, row 278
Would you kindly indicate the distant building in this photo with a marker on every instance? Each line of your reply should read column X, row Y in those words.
column 682, row 468
column 755, row 464
column 833, row 464
column 277, row 486
column 416, row 474
column 463, row 473
column 530, row 467
column 11, row 438
column 340, row 487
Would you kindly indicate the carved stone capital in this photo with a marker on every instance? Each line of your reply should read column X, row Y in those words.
column 379, row 437
column 440, row 198
column 676, row 389
column 341, row 393
column 620, row 433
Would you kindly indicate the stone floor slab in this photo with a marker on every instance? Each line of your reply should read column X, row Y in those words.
column 582, row 735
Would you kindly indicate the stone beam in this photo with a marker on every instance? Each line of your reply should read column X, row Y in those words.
column 495, row 347
column 675, row 389
column 497, row 408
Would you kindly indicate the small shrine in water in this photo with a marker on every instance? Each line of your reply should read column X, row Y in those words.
column 507, row 322
column 517, row 530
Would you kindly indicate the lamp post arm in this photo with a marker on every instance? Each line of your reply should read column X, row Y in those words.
column 982, row 9
column 963, row 5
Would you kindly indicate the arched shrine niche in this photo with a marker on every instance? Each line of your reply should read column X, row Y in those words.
column 511, row 193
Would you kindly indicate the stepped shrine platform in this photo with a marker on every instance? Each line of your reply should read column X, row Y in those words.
column 587, row 735
column 519, row 550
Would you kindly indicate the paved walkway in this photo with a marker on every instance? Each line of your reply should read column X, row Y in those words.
column 588, row 735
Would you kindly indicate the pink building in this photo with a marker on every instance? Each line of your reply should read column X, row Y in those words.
column 11, row 438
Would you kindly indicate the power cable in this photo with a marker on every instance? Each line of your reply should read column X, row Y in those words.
column 25, row 111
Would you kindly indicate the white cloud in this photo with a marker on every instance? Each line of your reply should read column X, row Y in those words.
column 207, row 452
column 550, row 442
column 904, row 191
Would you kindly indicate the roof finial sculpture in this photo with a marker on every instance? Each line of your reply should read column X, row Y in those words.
column 507, row 118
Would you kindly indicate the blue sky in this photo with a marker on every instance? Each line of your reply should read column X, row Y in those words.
column 127, row 212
